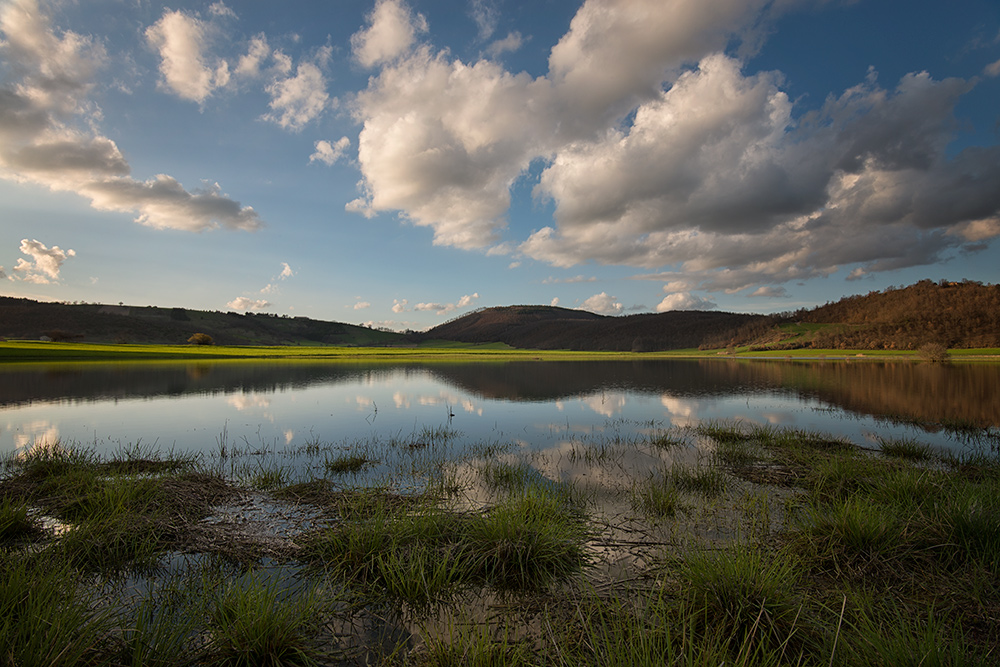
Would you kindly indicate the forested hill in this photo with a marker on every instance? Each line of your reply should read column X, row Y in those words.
column 551, row 328
column 954, row 314
column 97, row 323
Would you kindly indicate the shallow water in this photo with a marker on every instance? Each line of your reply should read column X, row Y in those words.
column 276, row 408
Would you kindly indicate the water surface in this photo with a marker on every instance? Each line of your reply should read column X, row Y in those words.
column 199, row 407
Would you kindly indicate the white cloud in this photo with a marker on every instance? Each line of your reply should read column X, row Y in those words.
column 286, row 271
column 299, row 99
column 249, row 64
column 399, row 306
column 486, row 16
column 328, row 153
column 662, row 153
column 220, row 9
column 361, row 305
column 684, row 301
column 48, row 131
column 554, row 302
column 602, row 304
column 45, row 262
column 770, row 291
column 163, row 203
column 716, row 178
column 467, row 300
column 444, row 308
column 512, row 42
column 181, row 39
column 391, row 32
column 246, row 303
column 443, row 142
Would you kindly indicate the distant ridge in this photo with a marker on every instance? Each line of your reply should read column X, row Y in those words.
column 97, row 323
column 953, row 314
column 552, row 328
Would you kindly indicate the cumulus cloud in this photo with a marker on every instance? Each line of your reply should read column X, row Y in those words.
column 684, row 301
column 399, row 306
column 180, row 39
column 361, row 305
column 45, row 263
column 554, row 302
column 328, row 153
column 770, row 291
column 444, row 308
column 442, row 142
column 286, row 271
column 512, row 42
column 162, row 202
column 299, row 99
column 660, row 152
column 602, row 304
column 48, row 135
column 392, row 30
column 246, row 303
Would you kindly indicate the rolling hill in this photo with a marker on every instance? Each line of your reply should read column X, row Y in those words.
column 953, row 314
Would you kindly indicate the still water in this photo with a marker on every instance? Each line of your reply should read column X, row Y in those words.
column 273, row 406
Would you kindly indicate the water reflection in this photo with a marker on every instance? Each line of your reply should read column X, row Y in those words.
column 284, row 402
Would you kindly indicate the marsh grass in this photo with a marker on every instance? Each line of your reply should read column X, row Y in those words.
column 906, row 448
column 792, row 548
column 425, row 554
column 15, row 521
column 253, row 621
column 657, row 498
column 748, row 595
column 705, row 480
column 345, row 463
column 47, row 617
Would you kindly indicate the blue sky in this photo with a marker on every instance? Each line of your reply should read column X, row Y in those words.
column 402, row 163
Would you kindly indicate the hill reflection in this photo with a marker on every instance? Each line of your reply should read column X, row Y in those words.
column 924, row 393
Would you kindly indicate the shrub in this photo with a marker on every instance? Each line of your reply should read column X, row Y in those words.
column 933, row 352
column 201, row 339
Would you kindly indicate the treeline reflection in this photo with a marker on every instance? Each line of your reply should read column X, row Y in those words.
column 952, row 394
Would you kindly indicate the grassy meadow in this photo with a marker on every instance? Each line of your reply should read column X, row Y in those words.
column 721, row 543
column 17, row 351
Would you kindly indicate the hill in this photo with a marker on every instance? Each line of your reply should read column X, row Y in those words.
column 953, row 314
column 552, row 328
column 25, row 318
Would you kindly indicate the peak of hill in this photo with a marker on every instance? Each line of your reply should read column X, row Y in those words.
column 551, row 328
column 954, row 314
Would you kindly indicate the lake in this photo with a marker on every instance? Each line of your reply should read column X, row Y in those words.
column 279, row 407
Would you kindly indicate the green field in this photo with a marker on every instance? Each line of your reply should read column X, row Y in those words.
column 30, row 351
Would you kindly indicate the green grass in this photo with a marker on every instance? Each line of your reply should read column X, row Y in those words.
column 426, row 554
column 47, row 616
column 15, row 522
column 657, row 498
column 856, row 558
column 34, row 351
column 253, row 622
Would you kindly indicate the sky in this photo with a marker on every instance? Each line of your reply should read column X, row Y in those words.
column 400, row 163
